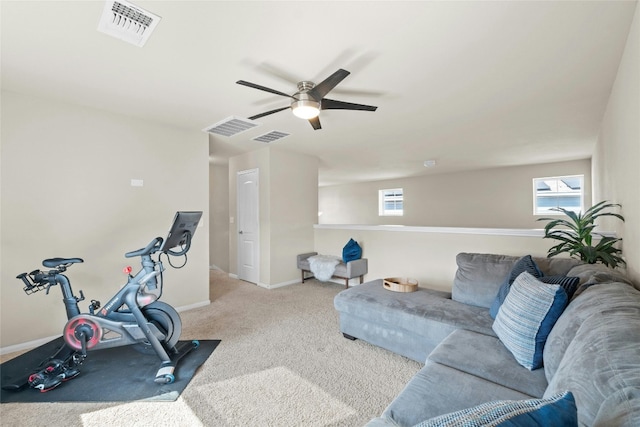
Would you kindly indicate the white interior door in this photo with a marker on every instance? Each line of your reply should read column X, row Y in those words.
column 248, row 226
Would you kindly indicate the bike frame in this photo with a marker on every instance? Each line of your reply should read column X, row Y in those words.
column 133, row 315
column 87, row 331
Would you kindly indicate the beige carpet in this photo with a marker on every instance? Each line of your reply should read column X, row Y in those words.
column 282, row 362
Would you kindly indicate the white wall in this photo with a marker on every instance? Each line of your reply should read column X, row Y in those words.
column 499, row 197
column 294, row 211
column 495, row 198
column 616, row 161
column 288, row 208
column 219, row 215
column 66, row 174
column 428, row 256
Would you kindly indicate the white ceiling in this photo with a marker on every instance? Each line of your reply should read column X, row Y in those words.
column 470, row 84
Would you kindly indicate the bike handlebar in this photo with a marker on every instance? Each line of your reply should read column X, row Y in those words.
column 152, row 247
column 38, row 282
column 24, row 279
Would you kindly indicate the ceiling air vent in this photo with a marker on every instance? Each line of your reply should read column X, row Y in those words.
column 274, row 135
column 128, row 22
column 231, row 126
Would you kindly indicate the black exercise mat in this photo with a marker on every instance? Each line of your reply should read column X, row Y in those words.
column 118, row 374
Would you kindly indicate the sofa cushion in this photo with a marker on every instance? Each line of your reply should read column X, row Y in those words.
column 620, row 409
column 527, row 316
column 407, row 323
column 585, row 272
column 603, row 358
column 479, row 276
column 460, row 350
column 406, row 309
column 556, row 411
column 438, row 389
column 606, row 296
column 556, row 266
column 526, row 263
column 592, row 274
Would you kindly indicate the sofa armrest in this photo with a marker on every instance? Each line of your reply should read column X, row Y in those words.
column 303, row 257
column 356, row 268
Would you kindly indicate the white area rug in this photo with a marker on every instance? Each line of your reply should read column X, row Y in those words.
column 274, row 397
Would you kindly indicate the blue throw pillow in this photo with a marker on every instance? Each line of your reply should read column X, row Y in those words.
column 526, row 263
column 556, row 411
column 569, row 284
column 351, row 251
column 526, row 317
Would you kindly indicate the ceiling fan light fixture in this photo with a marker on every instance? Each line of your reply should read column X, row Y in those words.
column 306, row 108
column 310, row 99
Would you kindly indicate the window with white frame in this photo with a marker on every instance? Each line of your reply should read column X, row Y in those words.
column 390, row 202
column 558, row 192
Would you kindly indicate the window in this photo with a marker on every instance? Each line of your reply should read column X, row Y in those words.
column 558, row 192
column 390, row 202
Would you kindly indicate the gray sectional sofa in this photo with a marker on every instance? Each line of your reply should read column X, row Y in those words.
column 592, row 350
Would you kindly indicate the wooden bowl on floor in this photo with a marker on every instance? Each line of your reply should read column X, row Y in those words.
column 400, row 284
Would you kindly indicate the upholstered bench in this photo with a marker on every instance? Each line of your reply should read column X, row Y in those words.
column 346, row 271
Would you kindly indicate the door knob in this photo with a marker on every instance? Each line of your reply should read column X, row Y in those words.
column 240, row 232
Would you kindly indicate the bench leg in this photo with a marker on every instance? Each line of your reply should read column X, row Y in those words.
column 361, row 277
column 349, row 337
column 346, row 283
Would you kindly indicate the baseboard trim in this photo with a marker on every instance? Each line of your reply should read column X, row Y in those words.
column 279, row 285
column 352, row 282
column 192, row 306
column 27, row 345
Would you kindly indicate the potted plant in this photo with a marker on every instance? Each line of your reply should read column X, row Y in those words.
column 575, row 233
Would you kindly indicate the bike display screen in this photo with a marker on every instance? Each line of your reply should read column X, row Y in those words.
column 182, row 230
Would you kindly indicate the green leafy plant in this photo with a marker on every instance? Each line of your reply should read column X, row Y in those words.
column 576, row 235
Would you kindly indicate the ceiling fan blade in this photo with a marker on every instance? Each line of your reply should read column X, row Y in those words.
column 266, row 89
column 315, row 122
column 330, row 104
column 324, row 87
column 257, row 116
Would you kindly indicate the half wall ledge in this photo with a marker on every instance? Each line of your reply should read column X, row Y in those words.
column 525, row 232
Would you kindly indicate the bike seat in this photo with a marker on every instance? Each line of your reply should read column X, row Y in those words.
column 55, row 262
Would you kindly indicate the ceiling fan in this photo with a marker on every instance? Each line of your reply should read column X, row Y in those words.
column 310, row 99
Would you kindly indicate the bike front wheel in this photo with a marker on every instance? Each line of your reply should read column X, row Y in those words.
column 167, row 320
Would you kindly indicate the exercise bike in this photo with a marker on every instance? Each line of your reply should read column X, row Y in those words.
column 133, row 316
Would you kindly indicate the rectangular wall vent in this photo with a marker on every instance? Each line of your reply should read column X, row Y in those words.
column 127, row 22
column 274, row 135
column 231, row 126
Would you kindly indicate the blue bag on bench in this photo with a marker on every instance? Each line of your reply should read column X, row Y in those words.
column 351, row 251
